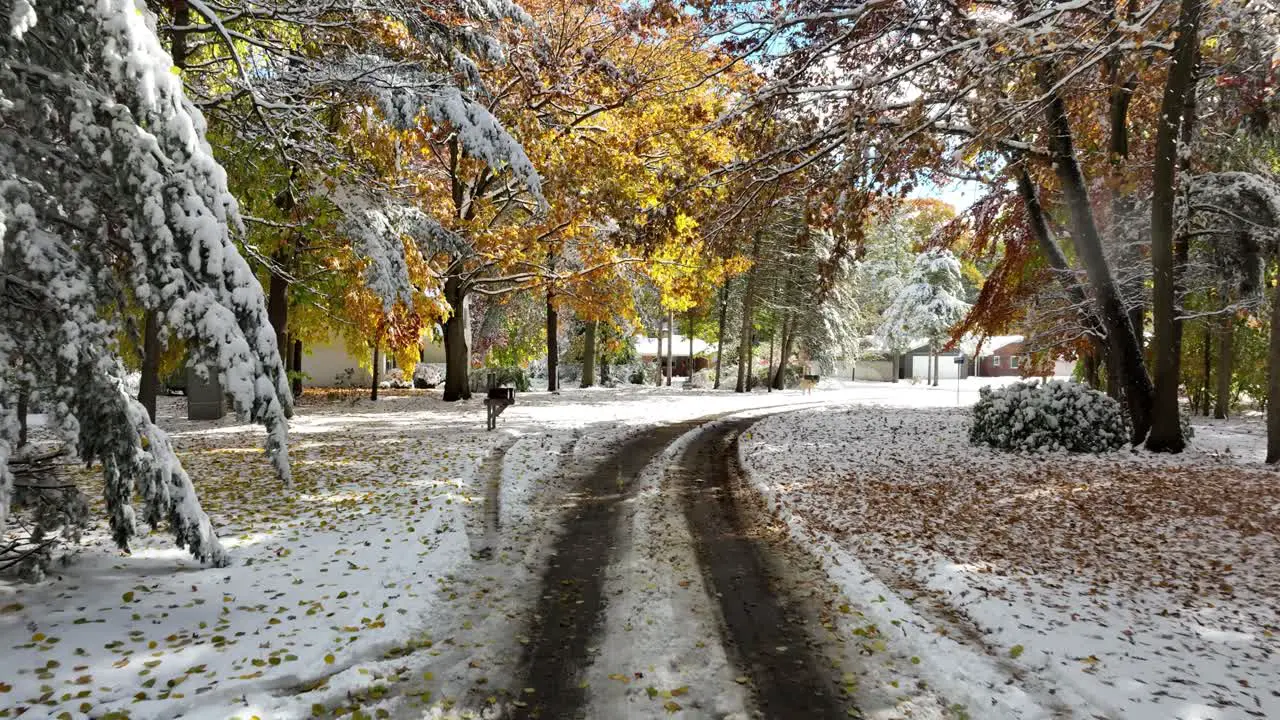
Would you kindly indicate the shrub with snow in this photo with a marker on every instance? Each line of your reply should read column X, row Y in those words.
column 1053, row 415
column 624, row 373
column 701, row 380
column 512, row 377
column 396, row 379
column 426, row 375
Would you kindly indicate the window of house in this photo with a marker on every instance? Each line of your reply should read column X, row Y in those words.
column 1013, row 362
column 995, row 361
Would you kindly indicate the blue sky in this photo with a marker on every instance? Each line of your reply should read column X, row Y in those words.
column 959, row 194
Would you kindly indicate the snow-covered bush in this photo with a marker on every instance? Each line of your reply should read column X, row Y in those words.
column 396, row 379
column 513, row 377
column 701, row 380
column 626, row 373
column 537, row 369
column 1054, row 415
column 569, row 374
column 790, row 376
column 427, row 375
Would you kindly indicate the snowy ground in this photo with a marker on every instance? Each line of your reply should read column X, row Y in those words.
column 1129, row 586
column 366, row 580
column 387, row 580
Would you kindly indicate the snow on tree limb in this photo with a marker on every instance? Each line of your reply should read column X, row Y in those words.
column 928, row 305
column 113, row 193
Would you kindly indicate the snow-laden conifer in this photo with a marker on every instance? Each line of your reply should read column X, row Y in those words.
column 111, row 198
column 929, row 304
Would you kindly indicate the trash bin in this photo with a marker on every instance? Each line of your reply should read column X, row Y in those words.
column 204, row 396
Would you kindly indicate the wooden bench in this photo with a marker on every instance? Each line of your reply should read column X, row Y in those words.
column 499, row 399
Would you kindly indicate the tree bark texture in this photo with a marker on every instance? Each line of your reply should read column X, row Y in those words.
column 671, row 345
column 553, row 332
column 1166, row 430
column 1226, row 365
column 149, row 385
column 1206, row 392
column 24, row 402
column 748, row 312
column 457, row 343
column 297, row 369
column 553, row 344
column 1124, row 352
column 690, row 344
column 724, row 308
column 1273, row 380
column 589, row 355
column 660, row 361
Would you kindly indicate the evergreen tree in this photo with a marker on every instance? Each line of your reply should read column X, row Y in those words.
column 111, row 193
column 929, row 304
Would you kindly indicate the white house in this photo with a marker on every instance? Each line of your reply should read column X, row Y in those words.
column 332, row 364
column 647, row 351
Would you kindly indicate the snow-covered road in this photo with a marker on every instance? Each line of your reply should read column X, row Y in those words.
column 406, row 576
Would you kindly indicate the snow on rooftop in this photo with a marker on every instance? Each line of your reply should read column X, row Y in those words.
column 995, row 342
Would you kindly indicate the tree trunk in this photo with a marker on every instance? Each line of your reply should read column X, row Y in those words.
column 553, row 344
column 772, row 335
column 1166, row 430
column 149, row 385
column 24, row 400
column 278, row 309
column 457, row 343
column 377, row 363
column 589, row 355
column 1125, row 354
column 1206, row 393
column 297, row 369
column 1226, row 341
column 1091, row 369
column 690, row 345
column 748, row 310
column 671, row 344
column 604, row 370
column 788, row 344
column 553, row 332
column 1273, row 380
column 935, row 367
column 897, row 363
column 660, row 365
column 724, row 308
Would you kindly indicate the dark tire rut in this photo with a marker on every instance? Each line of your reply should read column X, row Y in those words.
column 766, row 634
column 570, row 610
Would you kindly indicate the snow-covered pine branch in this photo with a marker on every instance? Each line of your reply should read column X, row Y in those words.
column 929, row 303
column 111, row 193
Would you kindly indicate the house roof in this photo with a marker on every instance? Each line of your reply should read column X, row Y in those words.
column 649, row 346
column 995, row 342
column 924, row 349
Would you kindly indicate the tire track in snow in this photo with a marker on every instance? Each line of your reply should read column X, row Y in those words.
column 484, row 530
column 764, row 633
column 571, row 605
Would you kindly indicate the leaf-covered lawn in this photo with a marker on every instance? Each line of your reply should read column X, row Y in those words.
column 337, row 571
column 1145, row 585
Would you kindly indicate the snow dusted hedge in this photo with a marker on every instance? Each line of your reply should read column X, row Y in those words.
column 1053, row 415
